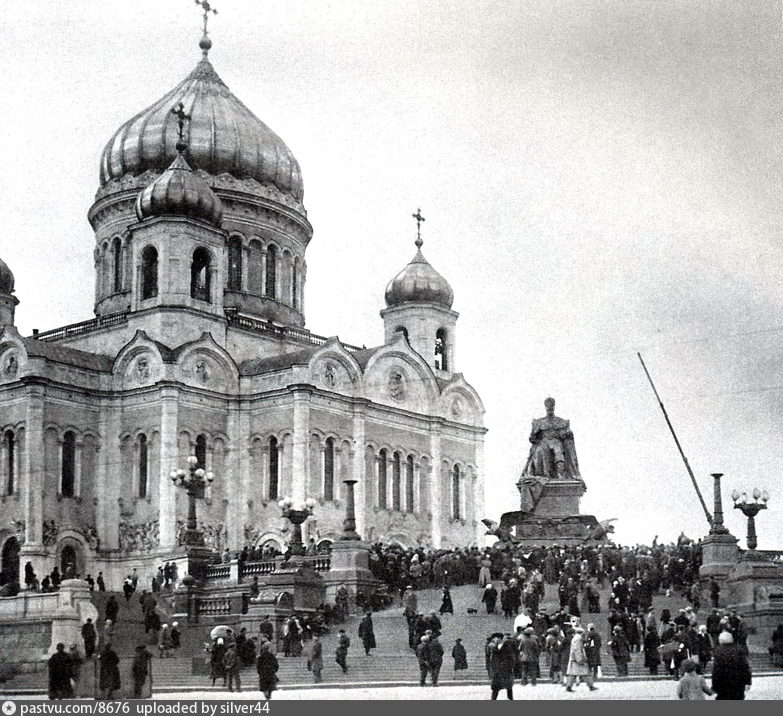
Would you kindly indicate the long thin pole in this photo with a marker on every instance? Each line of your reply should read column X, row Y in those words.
column 679, row 447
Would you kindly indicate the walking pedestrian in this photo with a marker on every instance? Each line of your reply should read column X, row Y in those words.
column 266, row 667
column 692, row 686
column 446, row 605
column 460, row 656
column 232, row 667
column 142, row 673
column 60, row 674
column 341, row 655
column 367, row 633
column 316, row 658
column 731, row 676
column 529, row 650
column 502, row 657
column 578, row 667
column 490, row 598
column 89, row 636
column 109, row 679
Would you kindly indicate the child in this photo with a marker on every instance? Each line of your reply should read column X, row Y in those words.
column 692, row 686
column 460, row 656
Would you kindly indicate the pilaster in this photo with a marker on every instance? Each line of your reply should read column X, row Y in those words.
column 169, row 454
column 435, row 478
column 358, row 465
column 33, row 476
column 301, row 442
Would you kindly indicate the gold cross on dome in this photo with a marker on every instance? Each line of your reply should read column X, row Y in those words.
column 207, row 8
column 419, row 218
column 179, row 113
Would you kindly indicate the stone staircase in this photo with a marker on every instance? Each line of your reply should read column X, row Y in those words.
column 391, row 663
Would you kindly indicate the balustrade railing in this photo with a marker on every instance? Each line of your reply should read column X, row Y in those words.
column 218, row 572
column 256, row 569
column 213, row 606
column 75, row 329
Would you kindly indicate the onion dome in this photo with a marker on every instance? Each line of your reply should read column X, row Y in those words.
column 179, row 191
column 6, row 278
column 224, row 137
column 419, row 282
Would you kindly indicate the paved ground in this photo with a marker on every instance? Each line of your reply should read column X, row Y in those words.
column 764, row 688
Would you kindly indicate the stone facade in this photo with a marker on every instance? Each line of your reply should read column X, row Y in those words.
column 199, row 347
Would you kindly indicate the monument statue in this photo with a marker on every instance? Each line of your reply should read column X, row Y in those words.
column 552, row 450
column 550, row 488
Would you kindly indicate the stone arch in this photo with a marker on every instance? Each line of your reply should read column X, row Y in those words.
column 270, row 537
column 10, row 567
column 71, row 543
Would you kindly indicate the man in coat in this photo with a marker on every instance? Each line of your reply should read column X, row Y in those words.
column 592, row 641
column 341, row 655
column 435, row 657
column 731, row 675
column 529, row 650
column 89, row 636
column 367, row 633
column 490, row 598
column 109, row 679
column 621, row 650
column 266, row 666
column 316, row 658
column 422, row 657
column 502, row 657
column 141, row 672
column 60, row 674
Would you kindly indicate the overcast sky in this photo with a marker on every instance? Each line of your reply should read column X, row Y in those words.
column 597, row 178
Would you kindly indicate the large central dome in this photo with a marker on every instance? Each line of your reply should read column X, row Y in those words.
column 223, row 136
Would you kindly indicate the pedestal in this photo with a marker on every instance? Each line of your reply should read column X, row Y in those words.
column 719, row 554
column 192, row 561
column 73, row 609
column 350, row 566
column 305, row 585
column 559, row 498
column 755, row 587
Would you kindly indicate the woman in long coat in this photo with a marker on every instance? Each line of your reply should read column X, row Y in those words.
column 621, row 650
column 267, row 666
column 446, row 605
column 578, row 668
column 652, row 658
column 502, row 658
column 367, row 633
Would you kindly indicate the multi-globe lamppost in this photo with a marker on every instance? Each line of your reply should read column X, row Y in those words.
column 750, row 510
column 296, row 513
column 193, row 481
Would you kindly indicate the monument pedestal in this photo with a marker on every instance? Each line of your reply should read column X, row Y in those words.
column 719, row 553
column 350, row 565
column 755, row 586
column 192, row 560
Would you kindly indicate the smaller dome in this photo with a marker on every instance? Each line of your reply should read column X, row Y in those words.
column 179, row 191
column 6, row 278
column 419, row 282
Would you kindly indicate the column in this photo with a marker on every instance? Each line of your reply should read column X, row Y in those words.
column 34, row 470
column 478, row 491
column 358, row 471
column 169, row 455
column 301, row 442
column 245, row 254
column 235, row 480
column 302, row 281
column 108, row 487
column 436, row 479
column 3, row 465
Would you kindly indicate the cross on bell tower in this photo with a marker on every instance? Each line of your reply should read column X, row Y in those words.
column 419, row 218
column 179, row 113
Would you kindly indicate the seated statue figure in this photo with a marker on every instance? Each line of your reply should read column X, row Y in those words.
column 552, row 451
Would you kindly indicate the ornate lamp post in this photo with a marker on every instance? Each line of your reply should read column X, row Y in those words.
column 296, row 514
column 194, row 481
column 349, row 523
column 750, row 510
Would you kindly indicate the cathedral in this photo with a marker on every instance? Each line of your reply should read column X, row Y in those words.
column 199, row 347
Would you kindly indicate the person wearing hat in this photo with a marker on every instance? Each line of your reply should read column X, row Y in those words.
column 459, row 655
column 578, row 667
column 411, row 603
column 731, row 675
column 267, row 666
column 60, row 674
column 341, row 654
column 529, row 650
column 621, row 650
column 592, row 640
column 692, row 686
column 217, row 670
column 501, row 657
column 490, row 598
column 552, row 645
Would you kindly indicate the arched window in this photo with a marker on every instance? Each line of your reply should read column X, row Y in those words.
column 396, row 481
column 410, row 503
column 149, row 272
column 382, row 479
column 200, row 275
column 455, row 496
column 68, row 465
column 116, row 254
column 329, row 469
column 235, row 264
column 271, row 271
column 441, row 357
column 274, row 469
column 201, row 455
column 10, row 462
column 294, row 284
column 143, row 465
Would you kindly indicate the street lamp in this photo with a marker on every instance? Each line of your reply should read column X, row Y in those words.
column 296, row 513
column 193, row 481
column 750, row 510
